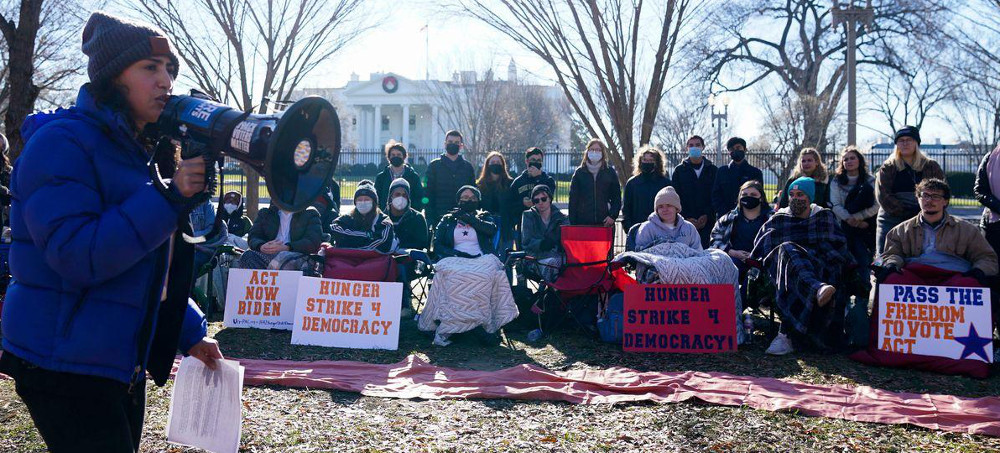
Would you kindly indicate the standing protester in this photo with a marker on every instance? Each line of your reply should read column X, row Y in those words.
column 810, row 165
column 648, row 177
column 494, row 183
column 595, row 195
column 445, row 175
column 694, row 179
column 94, row 246
column 896, row 182
column 395, row 154
column 519, row 196
column 852, row 194
column 732, row 176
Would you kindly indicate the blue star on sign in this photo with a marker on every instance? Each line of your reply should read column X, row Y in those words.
column 974, row 344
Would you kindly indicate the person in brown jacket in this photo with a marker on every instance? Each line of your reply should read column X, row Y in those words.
column 935, row 238
column 896, row 180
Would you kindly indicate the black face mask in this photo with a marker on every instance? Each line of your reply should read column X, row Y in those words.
column 396, row 161
column 749, row 202
column 452, row 148
column 496, row 169
column 737, row 154
column 537, row 165
column 647, row 167
column 468, row 206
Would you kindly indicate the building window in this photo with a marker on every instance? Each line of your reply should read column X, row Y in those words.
column 413, row 120
column 385, row 122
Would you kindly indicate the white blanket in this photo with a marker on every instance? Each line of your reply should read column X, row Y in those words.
column 467, row 293
column 677, row 263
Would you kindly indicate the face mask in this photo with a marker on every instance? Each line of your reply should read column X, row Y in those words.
column 647, row 167
column 594, row 156
column 452, row 148
column 798, row 206
column 364, row 207
column 229, row 207
column 468, row 206
column 737, row 154
column 537, row 165
column 496, row 169
column 749, row 202
column 694, row 151
column 400, row 203
column 396, row 161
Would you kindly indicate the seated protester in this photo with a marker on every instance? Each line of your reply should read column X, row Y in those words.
column 935, row 238
column 664, row 225
column 470, row 290
column 202, row 219
column 541, row 233
column 328, row 205
column 366, row 227
column 736, row 230
column 810, row 165
column 519, row 194
column 282, row 240
column 409, row 225
column 237, row 224
column 805, row 253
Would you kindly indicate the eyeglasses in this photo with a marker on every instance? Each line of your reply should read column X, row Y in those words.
column 539, row 200
column 932, row 196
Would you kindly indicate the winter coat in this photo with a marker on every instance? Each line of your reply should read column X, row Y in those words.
column 237, row 223
column 541, row 240
column 384, row 179
column 726, row 190
column 838, row 195
column 722, row 232
column 444, row 234
column 886, row 180
column 590, row 200
column 640, row 190
column 328, row 205
column 984, row 194
column 444, row 178
column 410, row 229
column 350, row 232
column 956, row 237
column 305, row 235
column 91, row 245
column 695, row 192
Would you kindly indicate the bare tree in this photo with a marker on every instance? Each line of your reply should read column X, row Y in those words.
column 911, row 93
column 253, row 52
column 600, row 52
column 976, row 31
column 41, row 56
column 682, row 116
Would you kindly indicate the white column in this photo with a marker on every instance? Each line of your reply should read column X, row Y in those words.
column 406, row 125
column 432, row 142
column 376, row 137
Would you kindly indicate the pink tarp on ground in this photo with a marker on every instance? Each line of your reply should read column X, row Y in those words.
column 415, row 378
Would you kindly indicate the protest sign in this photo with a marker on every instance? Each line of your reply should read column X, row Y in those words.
column 347, row 314
column 261, row 299
column 679, row 318
column 941, row 321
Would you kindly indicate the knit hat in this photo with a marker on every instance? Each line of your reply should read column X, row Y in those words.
column 366, row 188
column 458, row 195
column 667, row 195
column 735, row 141
column 907, row 131
column 805, row 184
column 399, row 182
column 539, row 189
column 114, row 43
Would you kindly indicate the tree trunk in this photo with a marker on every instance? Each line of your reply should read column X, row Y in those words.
column 22, row 90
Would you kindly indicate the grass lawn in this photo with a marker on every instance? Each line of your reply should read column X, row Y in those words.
column 285, row 419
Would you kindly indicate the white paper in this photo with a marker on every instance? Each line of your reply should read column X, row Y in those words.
column 205, row 409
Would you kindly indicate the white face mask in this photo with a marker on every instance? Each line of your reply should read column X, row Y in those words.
column 594, row 156
column 400, row 203
column 229, row 207
column 364, row 207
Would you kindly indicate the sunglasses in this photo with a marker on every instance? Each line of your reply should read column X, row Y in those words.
column 539, row 200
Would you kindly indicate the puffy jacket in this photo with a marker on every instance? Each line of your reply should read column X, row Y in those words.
column 591, row 200
column 410, row 229
column 728, row 180
column 351, row 232
column 305, row 235
column 722, row 232
column 444, row 178
column 91, row 240
column 444, row 234
column 695, row 191
column 384, row 179
column 640, row 190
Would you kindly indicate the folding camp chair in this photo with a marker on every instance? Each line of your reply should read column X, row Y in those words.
column 210, row 298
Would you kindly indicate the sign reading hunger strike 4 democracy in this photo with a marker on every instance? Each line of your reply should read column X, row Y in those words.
column 942, row 321
column 261, row 299
column 347, row 314
column 679, row 318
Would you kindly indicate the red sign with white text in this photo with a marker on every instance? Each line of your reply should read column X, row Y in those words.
column 679, row 318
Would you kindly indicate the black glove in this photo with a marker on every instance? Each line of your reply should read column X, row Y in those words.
column 547, row 244
column 977, row 274
column 882, row 273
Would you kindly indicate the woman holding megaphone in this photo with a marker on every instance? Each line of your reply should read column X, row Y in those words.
column 100, row 292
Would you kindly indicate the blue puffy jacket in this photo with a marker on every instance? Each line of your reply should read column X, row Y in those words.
column 91, row 242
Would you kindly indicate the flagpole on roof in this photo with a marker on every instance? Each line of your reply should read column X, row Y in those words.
column 427, row 52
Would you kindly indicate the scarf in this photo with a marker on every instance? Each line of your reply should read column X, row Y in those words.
column 993, row 173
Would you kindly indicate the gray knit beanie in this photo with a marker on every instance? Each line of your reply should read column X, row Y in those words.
column 114, row 43
column 366, row 188
column 400, row 182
